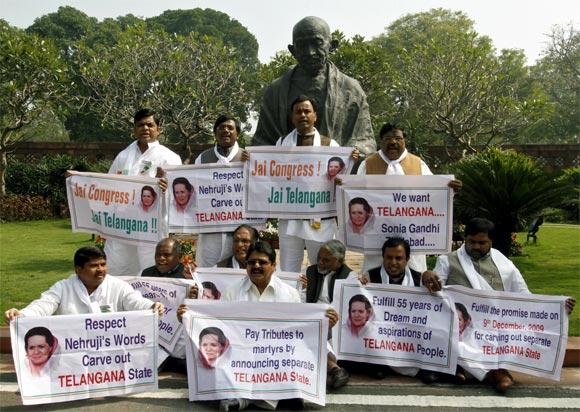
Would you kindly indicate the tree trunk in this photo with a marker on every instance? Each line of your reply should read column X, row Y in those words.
column 502, row 240
column 3, row 165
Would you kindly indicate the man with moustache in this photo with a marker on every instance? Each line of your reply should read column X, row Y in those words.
column 168, row 265
column 297, row 234
column 144, row 157
column 477, row 265
column 243, row 237
column 212, row 247
column 261, row 285
column 167, row 261
column 396, row 271
column 394, row 159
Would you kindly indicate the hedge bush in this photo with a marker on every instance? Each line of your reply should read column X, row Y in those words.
column 507, row 188
column 23, row 207
column 46, row 178
column 571, row 204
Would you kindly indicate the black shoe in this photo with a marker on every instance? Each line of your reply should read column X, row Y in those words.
column 338, row 377
column 428, row 377
column 227, row 405
column 292, row 404
column 378, row 373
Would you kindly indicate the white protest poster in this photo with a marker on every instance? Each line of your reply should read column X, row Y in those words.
column 373, row 208
column 395, row 325
column 522, row 332
column 256, row 350
column 294, row 182
column 207, row 198
column 215, row 281
column 70, row 357
column 116, row 206
column 291, row 278
column 171, row 292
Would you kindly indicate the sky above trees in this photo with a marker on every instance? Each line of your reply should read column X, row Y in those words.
column 510, row 24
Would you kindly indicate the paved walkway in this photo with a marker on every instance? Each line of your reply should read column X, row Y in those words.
column 361, row 393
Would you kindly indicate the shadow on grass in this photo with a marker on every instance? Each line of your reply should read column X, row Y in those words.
column 80, row 242
column 64, row 224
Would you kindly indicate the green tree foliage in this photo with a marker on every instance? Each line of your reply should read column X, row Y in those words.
column 558, row 73
column 202, row 81
column 64, row 26
column 505, row 187
column 32, row 77
column 571, row 203
column 370, row 64
column 450, row 82
column 214, row 24
column 69, row 27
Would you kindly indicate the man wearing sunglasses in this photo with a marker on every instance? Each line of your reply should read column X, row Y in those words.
column 261, row 285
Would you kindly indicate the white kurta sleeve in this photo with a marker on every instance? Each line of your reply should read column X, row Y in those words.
column 352, row 276
column 362, row 169
column 48, row 302
column 442, row 268
column 425, row 171
column 517, row 282
column 115, row 166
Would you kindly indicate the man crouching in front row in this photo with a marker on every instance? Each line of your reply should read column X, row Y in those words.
column 89, row 290
column 261, row 285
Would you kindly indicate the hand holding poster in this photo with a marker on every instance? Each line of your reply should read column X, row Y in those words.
column 119, row 207
column 523, row 332
column 170, row 292
column 207, row 198
column 417, row 208
column 294, row 182
column 69, row 357
column 395, row 326
column 256, row 350
column 216, row 281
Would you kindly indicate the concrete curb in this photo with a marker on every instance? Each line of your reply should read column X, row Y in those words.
column 571, row 359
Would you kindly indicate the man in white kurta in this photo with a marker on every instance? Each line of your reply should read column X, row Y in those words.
column 89, row 290
column 296, row 234
column 213, row 247
column 144, row 157
column 260, row 285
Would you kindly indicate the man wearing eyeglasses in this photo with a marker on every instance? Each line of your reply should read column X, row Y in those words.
column 243, row 237
column 394, row 159
column 261, row 285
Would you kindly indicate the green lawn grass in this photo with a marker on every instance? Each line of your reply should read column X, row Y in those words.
column 552, row 265
column 34, row 255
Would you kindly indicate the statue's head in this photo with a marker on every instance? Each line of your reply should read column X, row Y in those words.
column 311, row 44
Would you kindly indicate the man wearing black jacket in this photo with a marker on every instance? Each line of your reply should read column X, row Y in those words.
column 318, row 286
